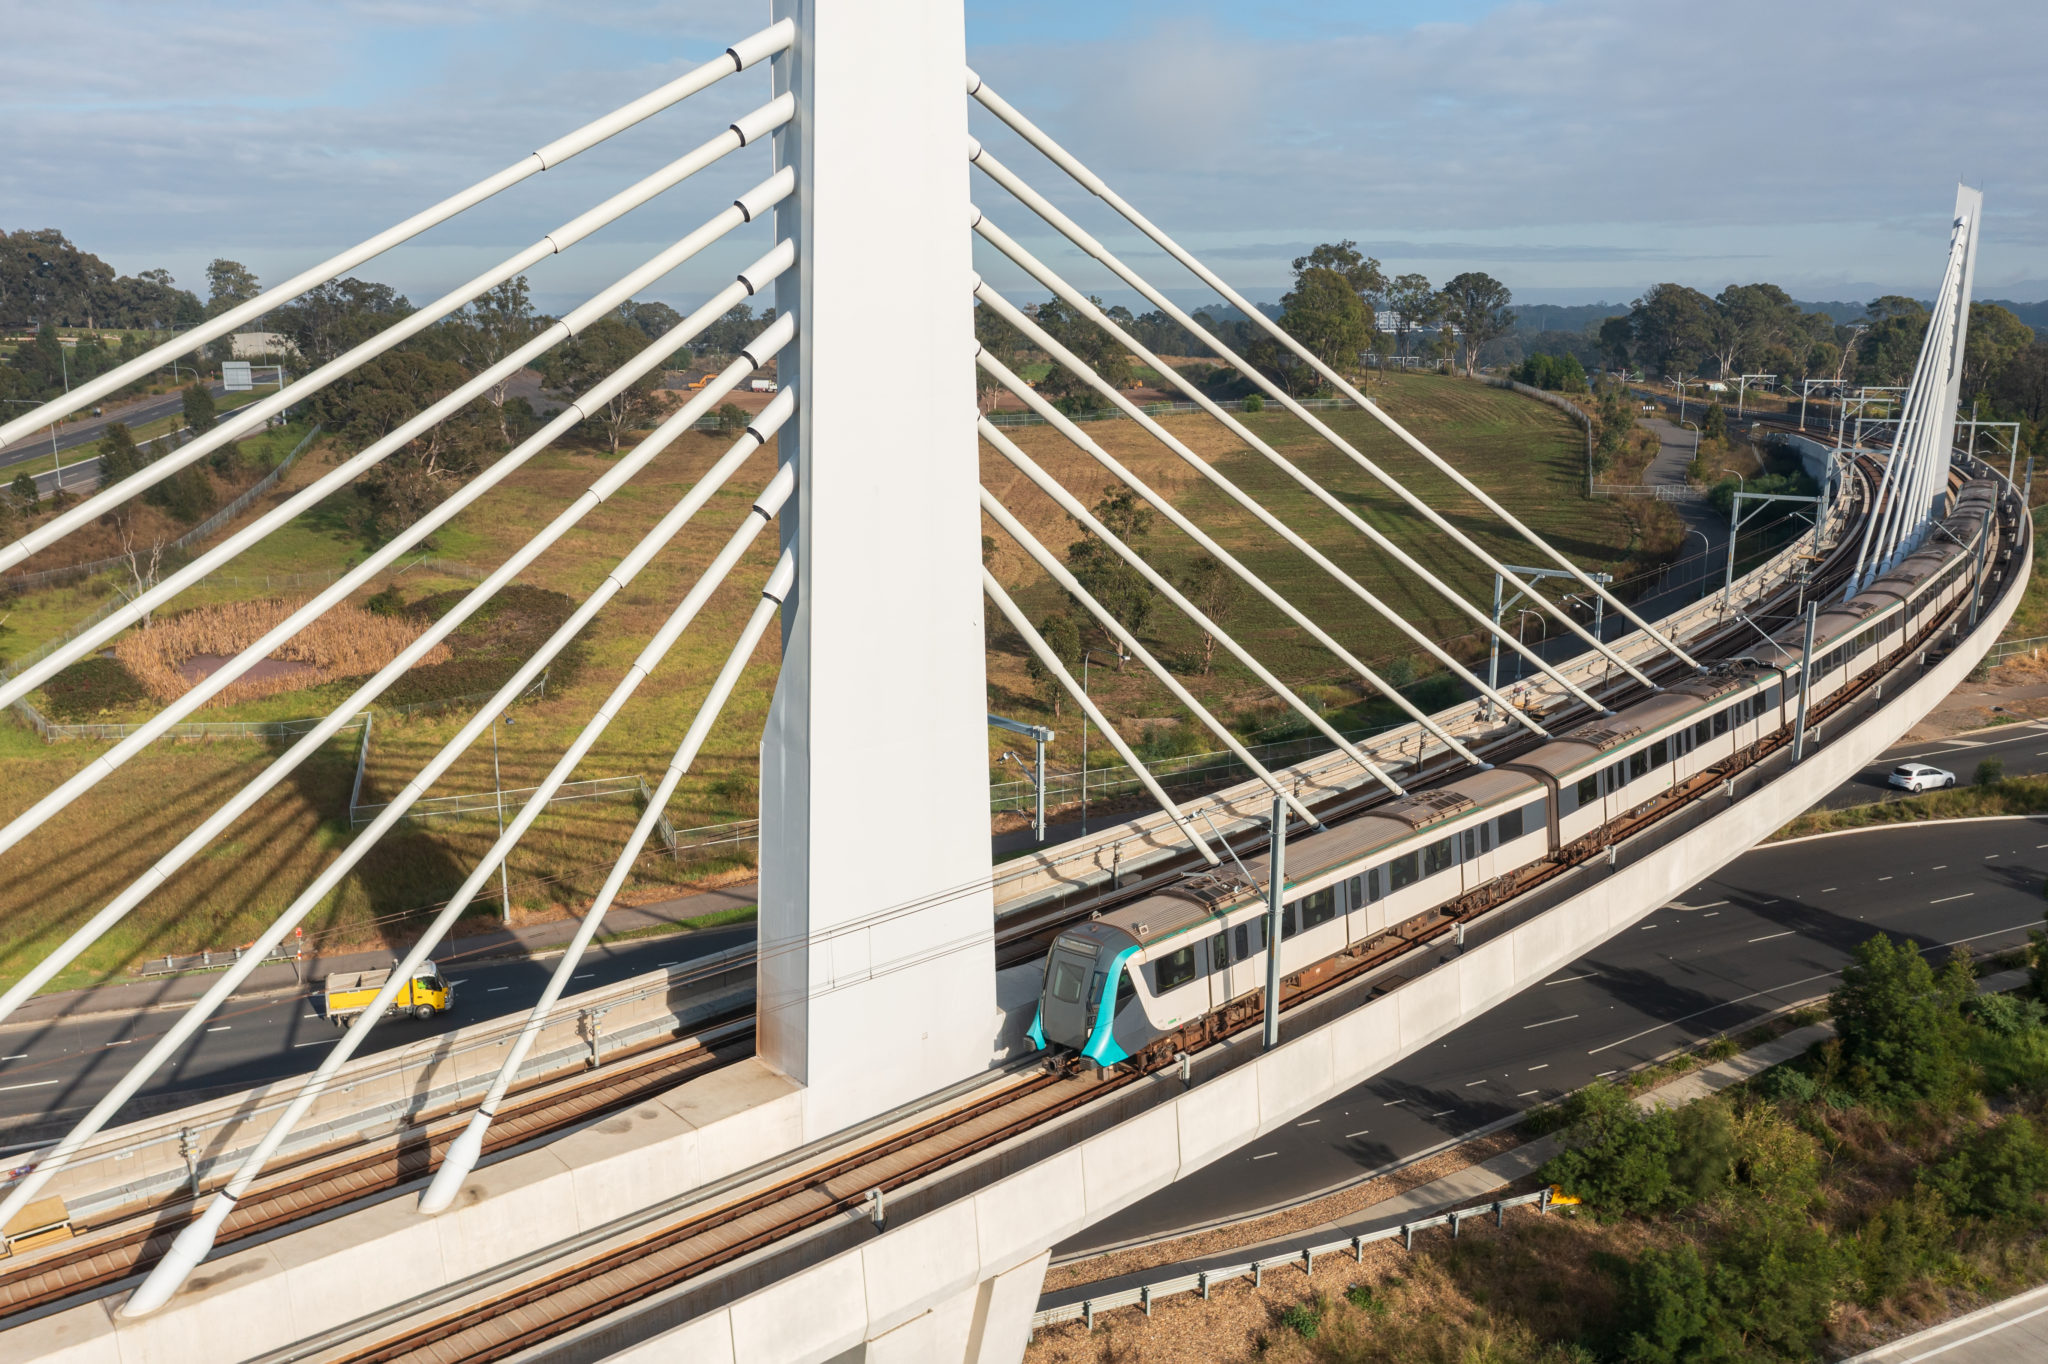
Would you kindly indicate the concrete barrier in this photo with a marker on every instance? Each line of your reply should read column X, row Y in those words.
column 380, row 1095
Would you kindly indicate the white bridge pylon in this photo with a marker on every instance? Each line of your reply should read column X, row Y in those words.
column 876, row 972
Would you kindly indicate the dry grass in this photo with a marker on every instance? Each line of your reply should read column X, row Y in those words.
column 345, row 641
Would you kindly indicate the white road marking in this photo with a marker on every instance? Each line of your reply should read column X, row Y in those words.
column 33, row 1084
column 1827, row 890
column 1475, row 1082
column 1989, row 856
column 1268, row 1156
column 1768, row 936
column 1715, row 915
column 1708, row 905
column 1544, row 1066
column 313, row 1016
column 1391, row 1102
column 495, row 988
column 1548, row 1021
column 1991, row 1330
column 1942, row 867
column 316, row 1042
column 122, row 1043
column 1646, row 928
column 463, row 981
column 1566, row 980
column 1361, row 1132
column 1527, row 1092
column 660, row 964
column 1605, row 1073
column 222, row 1028
column 1441, row 1112
column 1884, row 878
column 583, row 975
column 1946, row 898
column 1310, row 1123
column 22, row 1057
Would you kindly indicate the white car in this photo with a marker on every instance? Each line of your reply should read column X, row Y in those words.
column 1920, row 777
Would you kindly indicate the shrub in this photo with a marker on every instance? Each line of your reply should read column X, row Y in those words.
column 1361, row 1296
column 489, row 647
column 1901, row 1030
column 1996, row 1175
column 389, row 602
column 89, row 688
column 1255, row 403
column 1904, row 1240
column 1304, row 1319
column 1620, row 1159
column 1666, row 1311
column 1990, row 772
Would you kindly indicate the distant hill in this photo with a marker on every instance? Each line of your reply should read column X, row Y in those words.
column 1564, row 317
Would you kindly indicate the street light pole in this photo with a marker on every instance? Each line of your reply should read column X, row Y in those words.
column 1695, row 435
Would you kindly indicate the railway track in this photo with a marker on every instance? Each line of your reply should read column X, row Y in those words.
column 107, row 1253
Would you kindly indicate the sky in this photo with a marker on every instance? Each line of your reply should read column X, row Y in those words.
column 1579, row 150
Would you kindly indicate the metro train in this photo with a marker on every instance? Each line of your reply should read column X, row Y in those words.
column 1188, row 962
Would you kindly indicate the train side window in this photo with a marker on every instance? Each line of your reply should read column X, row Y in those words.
column 1290, row 920
column 1318, row 908
column 1244, row 941
column 1219, row 951
column 1702, row 732
column 1720, row 722
column 1174, row 970
column 1660, row 753
column 1589, row 791
column 1486, row 837
column 1471, row 840
column 1511, row 822
column 1126, row 990
column 1438, row 856
column 1532, row 815
column 1638, row 765
column 1355, row 895
column 1404, row 870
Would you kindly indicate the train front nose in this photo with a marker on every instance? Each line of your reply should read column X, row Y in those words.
column 1063, row 1006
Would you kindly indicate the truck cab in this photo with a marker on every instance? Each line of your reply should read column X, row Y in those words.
column 350, row 992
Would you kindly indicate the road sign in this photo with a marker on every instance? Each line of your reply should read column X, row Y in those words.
column 235, row 377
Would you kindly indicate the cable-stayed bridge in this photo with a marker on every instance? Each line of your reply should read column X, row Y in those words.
column 883, row 1159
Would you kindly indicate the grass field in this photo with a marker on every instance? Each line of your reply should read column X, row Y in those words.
column 1525, row 453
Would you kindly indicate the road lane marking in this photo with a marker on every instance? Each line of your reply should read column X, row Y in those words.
column 1989, row 856
column 1942, row 867
column 1708, row 905
column 33, row 1084
column 1268, row 1156
column 1829, row 890
column 586, row 975
column 1310, row 1123
column 222, row 1028
column 122, row 1043
column 22, row 1057
column 1566, row 980
column 1361, row 1132
column 1475, row 1082
column 314, row 1017
column 1768, row 936
column 1646, row 928
column 1544, row 1066
column 495, row 988
column 1527, row 1092
column 1548, row 1021
column 1605, row 1073
column 1946, row 898
column 1442, row 1112
column 1884, row 878
column 1391, row 1102
column 316, row 1042
column 1990, row 1330
column 1715, row 915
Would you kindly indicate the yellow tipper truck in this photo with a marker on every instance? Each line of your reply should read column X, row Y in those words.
column 350, row 992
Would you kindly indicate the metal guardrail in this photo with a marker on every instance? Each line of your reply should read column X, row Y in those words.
column 1144, row 1295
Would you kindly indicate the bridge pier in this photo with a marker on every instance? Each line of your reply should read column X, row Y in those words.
column 877, row 976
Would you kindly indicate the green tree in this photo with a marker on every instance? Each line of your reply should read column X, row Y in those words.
column 1063, row 637
column 1326, row 315
column 1214, row 591
column 1667, row 1313
column 1102, row 572
column 580, row 364
column 1672, row 327
column 1413, row 303
column 1748, row 320
column 1094, row 347
column 25, row 493
column 1891, row 340
column 1477, row 304
column 228, row 283
column 119, row 456
column 1617, row 341
column 1900, row 1029
column 199, row 408
column 1997, row 1175
column 502, row 319
column 1714, row 426
column 1776, row 1277
column 1996, row 338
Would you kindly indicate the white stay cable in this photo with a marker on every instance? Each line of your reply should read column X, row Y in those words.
column 243, row 421
column 1051, row 660
column 467, row 1148
column 749, row 206
column 1187, row 527
column 777, row 334
column 1038, row 204
column 652, row 355
column 1066, row 161
column 741, row 55
column 1900, row 468
column 1044, row 340
column 196, row 1239
column 332, row 875
column 1060, row 574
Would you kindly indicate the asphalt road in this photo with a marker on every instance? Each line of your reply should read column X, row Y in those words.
column 87, row 432
column 2022, row 747
column 69, row 1064
column 1773, row 928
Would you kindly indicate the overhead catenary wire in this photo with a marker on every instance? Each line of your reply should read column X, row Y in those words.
column 330, row 877
column 1052, row 663
column 741, row 55
column 1095, row 185
column 1040, row 337
column 1060, row 574
column 463, row 1153
column 650, row 356
column 772, row 338
column 244, row 421
column 746, row 208
column 1037, row 202
column 1222, row 556
column 195, row 1240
